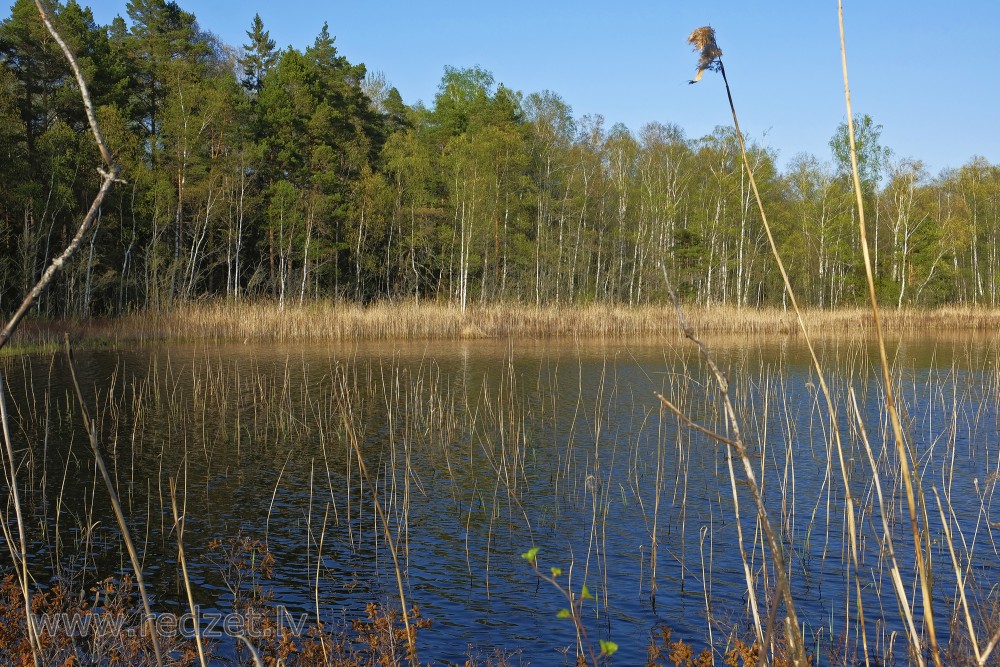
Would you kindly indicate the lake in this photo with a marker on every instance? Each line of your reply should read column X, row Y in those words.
column 480, row 450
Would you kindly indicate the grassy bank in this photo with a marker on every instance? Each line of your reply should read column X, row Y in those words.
column 331, row 320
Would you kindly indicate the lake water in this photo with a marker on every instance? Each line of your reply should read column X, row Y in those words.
column 480, row 450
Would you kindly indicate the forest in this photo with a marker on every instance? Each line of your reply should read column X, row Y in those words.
column 256, row 173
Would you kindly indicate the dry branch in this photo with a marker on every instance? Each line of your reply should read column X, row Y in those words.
column 793, row 631
column 109, row 175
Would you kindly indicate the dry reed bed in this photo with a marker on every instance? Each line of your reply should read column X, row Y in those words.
column 333, row 320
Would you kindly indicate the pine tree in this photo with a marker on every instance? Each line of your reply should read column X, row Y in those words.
column 258, row 56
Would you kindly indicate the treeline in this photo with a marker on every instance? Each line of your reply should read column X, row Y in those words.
column 255, row 172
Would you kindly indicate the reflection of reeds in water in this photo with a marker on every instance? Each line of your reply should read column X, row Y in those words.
column 560, row 453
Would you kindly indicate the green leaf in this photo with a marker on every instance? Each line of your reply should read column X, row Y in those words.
column 530, row 555
column 556, row 571
column 608, row 648
column 585, row 593
column 563, row 613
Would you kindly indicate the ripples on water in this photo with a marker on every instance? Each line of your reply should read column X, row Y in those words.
column 482, row 450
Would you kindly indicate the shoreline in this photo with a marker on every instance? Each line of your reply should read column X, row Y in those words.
column 328, row 320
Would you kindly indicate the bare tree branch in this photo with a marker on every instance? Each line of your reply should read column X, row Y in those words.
column 87, row 103
column 109, row 175
column 695, row 425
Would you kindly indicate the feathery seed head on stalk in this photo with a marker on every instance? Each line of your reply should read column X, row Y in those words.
column 702, row 40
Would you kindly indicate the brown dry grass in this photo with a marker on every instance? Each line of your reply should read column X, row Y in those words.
column 332, row 320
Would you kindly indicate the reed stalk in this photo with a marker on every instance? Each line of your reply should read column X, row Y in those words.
column 91, row 429
column 179, row 528
column 793, row 631
column 911, row 481
column 319, row 562
column 20, row 557
column 345, row 411
column 706, row 533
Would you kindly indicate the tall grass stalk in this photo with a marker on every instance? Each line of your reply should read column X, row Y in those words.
column 703, row 39
column 319, row 563
column 657, row 490
column 706, row 576
column 793, row 631
column 95, row 448
column 274, row 495
column 179, row 529
column 20, row 557
column 915, row 501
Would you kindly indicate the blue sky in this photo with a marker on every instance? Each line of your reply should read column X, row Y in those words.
column 923, row 69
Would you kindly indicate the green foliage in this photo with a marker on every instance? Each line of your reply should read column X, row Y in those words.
column 574, row 612
column 873, row 158
column 258, row 57
column 291, row 173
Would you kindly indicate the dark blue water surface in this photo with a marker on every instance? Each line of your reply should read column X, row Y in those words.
column 480, row 450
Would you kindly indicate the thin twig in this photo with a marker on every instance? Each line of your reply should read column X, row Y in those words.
column 575, row 609
column 87, row 103
column 692, row 424
column 58, row 262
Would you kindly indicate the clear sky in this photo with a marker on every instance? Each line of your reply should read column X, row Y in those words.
column 924, row 69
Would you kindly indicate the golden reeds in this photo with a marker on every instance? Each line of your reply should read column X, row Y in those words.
column 915, row 501
column 329, row 320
